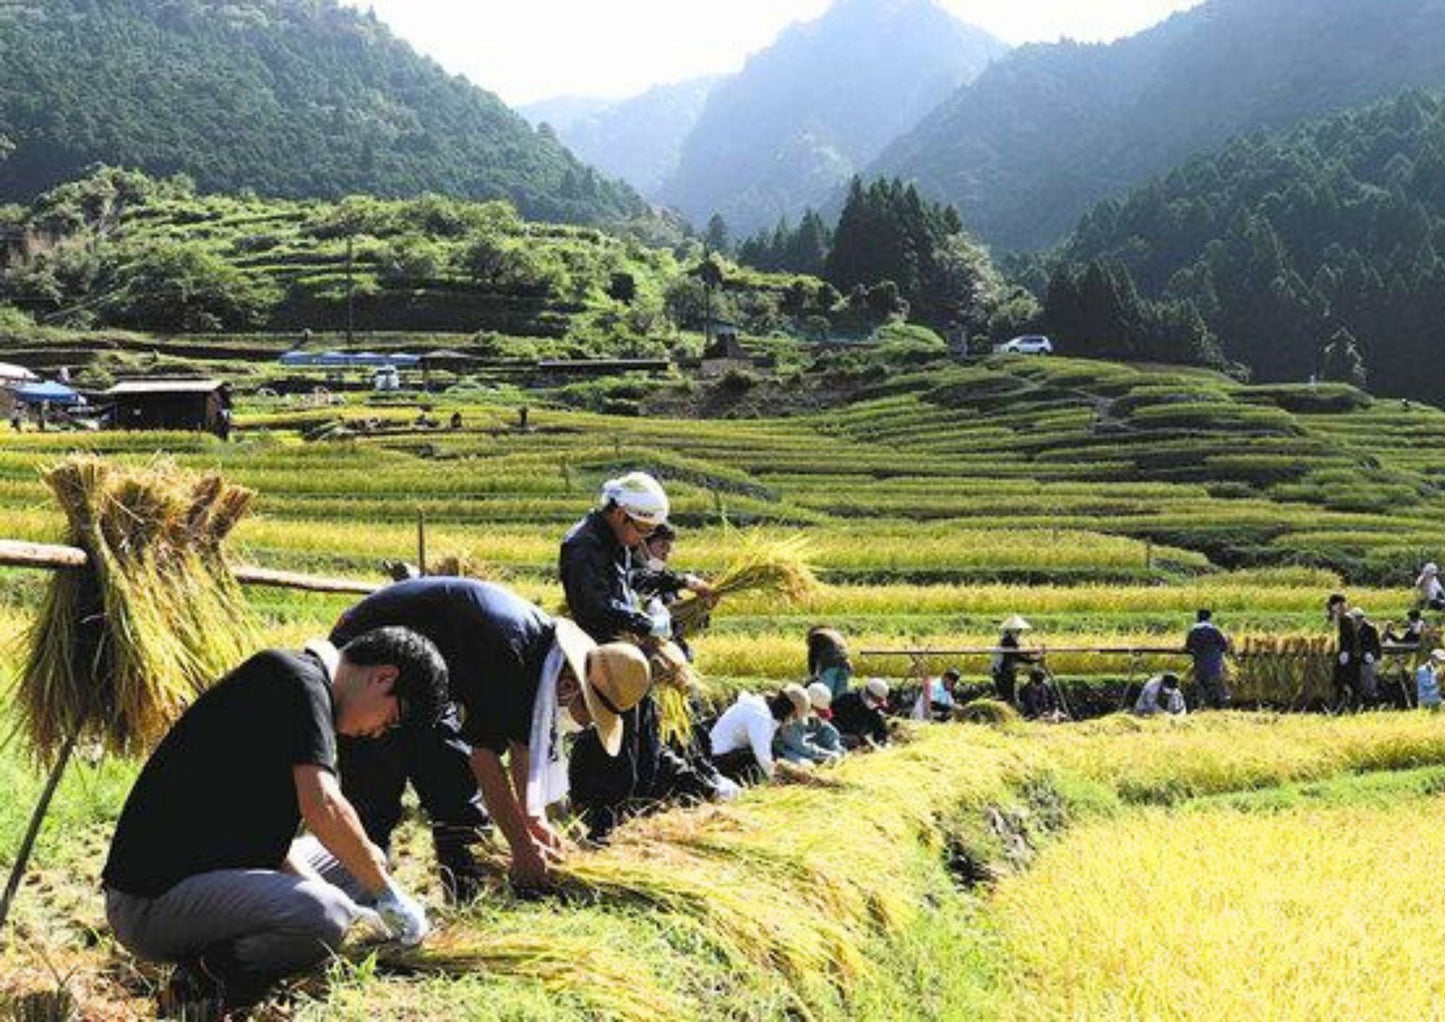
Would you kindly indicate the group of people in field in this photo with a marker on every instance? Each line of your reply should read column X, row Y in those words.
column 1359, row 652
column 490, row 709
column 1361, row 647
column 494, row 712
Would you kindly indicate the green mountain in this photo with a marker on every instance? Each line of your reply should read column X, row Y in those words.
column 805, row 114
column 292, row 98
column 1048, row 131
column 1315, row 251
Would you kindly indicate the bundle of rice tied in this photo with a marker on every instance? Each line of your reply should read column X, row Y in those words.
column 760, row 563
column 121, row 647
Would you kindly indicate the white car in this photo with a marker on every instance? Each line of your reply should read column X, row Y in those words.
column 1030, row 344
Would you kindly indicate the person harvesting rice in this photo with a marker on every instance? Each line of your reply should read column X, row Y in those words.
column 598, row 562
column 662, row 587
column 203, row 870
column 523, row 680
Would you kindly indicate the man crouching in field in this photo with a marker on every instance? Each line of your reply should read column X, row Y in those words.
column 203, row 870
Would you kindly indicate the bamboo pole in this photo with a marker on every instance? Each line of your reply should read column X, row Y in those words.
column 22, row 859
column 56, row 557
column 1389, row 649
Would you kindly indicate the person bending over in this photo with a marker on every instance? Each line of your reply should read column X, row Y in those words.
column 203, row 870
column 522, row 680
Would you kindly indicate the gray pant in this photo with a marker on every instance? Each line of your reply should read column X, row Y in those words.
column 272, row 922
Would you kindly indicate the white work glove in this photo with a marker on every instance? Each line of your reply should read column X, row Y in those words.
column 403, row 915
column 1344, row 659
column 727, row 789
column 661, row 624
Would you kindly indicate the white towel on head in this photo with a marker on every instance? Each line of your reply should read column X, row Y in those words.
column 547, row 757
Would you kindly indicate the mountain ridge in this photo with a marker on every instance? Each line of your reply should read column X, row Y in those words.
column 789, row 128
column 292, row 98
column 1049, row 130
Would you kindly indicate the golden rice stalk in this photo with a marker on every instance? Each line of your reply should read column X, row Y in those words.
column 461, row 564
column 1289, row 671
column 608, row 982
column 777, row 565
column 121, row 647
column 674, row 714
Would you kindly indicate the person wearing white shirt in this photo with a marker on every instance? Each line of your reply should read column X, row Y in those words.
column 742, row 738
column 1430, row 593
column 1161, row 695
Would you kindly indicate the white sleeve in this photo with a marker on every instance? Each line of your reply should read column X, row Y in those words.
column 760, row 734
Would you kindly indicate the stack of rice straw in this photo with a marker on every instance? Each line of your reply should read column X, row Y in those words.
column 121, row 647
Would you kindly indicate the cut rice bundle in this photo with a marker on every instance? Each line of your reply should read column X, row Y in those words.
column 760, row 563
column 122, row 646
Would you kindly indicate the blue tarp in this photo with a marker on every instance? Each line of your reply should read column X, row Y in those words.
column 55, row 393
column 349, row 359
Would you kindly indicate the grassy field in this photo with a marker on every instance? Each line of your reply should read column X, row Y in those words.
column 1113, row 870
column 964, row 874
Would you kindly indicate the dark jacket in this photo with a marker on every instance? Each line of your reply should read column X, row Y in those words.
column 852, row 716
column 1038, row 699
column 644, row 772
column 1369, row 640
column 595, row 570
column 666, row 584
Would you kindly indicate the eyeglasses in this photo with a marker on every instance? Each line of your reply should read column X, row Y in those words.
column 401, row 713
column 643, row 529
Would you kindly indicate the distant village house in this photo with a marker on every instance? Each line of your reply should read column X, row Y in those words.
column 203, row 405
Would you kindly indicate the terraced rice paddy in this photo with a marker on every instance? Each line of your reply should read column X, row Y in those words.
column 967, row 874
column 933, row 507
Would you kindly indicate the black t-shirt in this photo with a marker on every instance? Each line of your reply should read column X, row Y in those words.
column 493, row 641
column 219, row 793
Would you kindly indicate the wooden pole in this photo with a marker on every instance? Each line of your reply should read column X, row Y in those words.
column 55, row 557
column 421, row 541
column 22, row 859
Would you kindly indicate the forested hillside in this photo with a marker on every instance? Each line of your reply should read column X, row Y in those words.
column 804, row 115
column 1050, row 130
column 290, row 98
column 118, row 249
column 1313, row 251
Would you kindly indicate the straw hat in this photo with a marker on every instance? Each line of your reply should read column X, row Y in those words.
column 614, row 678
column 1016, row 624
column 877, row 688
column 798, row 696
column 820, row 695
column 670, row 666
column 1438, row 655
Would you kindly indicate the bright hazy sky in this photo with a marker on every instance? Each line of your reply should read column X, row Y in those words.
column 525, row 50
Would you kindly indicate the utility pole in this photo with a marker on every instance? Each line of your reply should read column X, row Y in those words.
column 706, row 298
column 350, row 297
